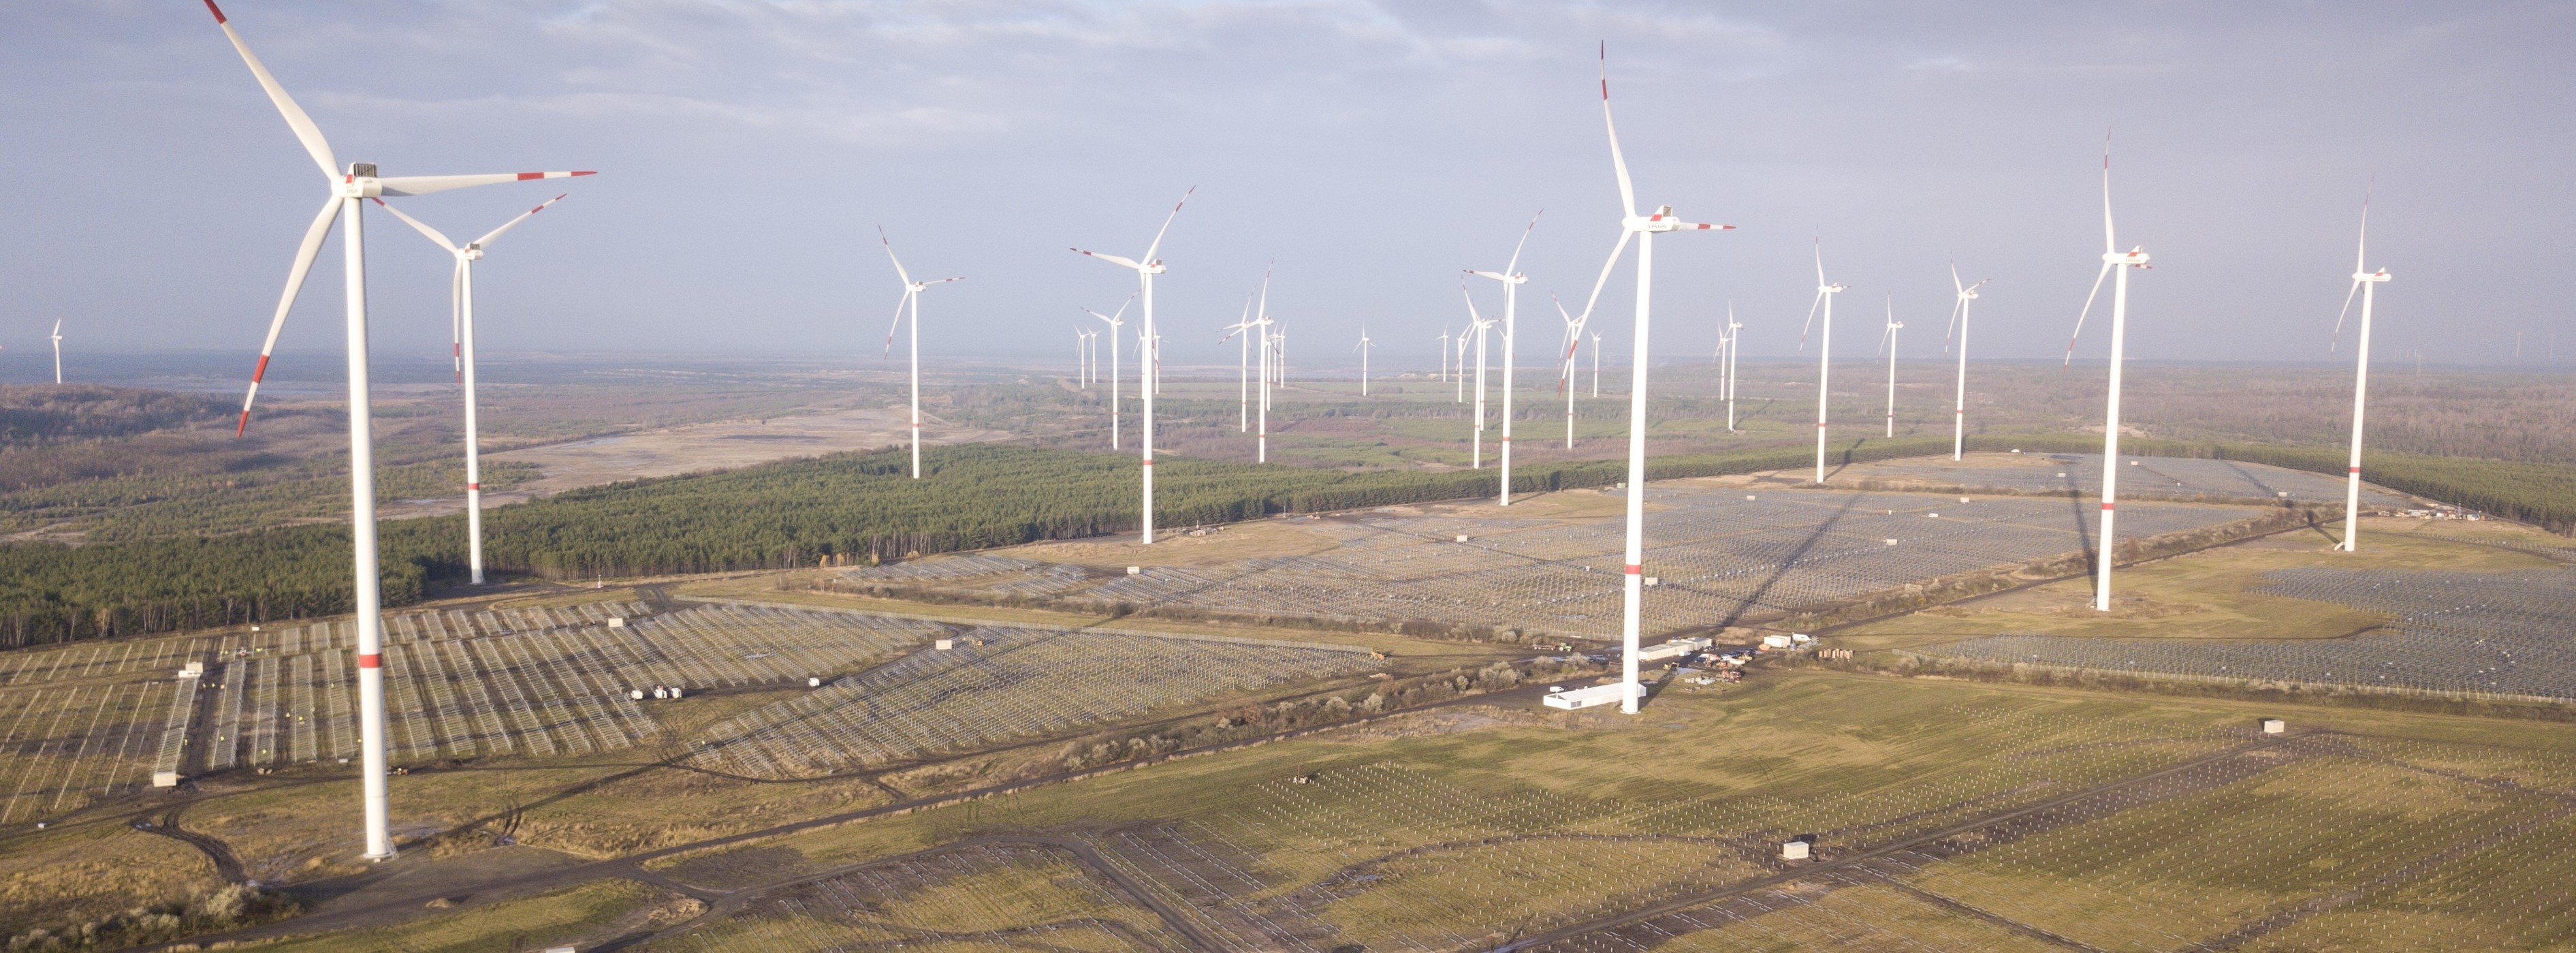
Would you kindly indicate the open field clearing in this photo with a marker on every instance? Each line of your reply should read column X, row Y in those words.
column 1944, row 815
column 2440, row 607
column 2164, row 478
column 1551, row 564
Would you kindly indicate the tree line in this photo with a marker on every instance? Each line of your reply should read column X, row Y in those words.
column 857, row 507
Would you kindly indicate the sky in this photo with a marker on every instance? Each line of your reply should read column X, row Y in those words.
column 1364, row 153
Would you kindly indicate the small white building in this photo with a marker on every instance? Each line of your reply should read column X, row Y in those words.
column 1800, row 849
column 1775, row 642
column 2274, row 726
column 1668, row 650
column 944, row 644
column 1610, row 694
column 617, row 622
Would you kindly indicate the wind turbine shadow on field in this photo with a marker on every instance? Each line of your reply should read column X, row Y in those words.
column 1804, row 546
column 2083, row 528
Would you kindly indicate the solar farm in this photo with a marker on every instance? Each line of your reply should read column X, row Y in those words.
column 1719, row 556
column 2140, row 478
column 1985, row 819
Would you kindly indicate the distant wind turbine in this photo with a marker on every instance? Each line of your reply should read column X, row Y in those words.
column 1444, row 354
column 1565, row 382
column 1145, row 270
column 1642, row 228
column 461, row 314
column 58, row 350
column 912, row 296
column 1476, row 325
column 1115, row 322
column 2366, row 282
column 1512, row 281
column 1596, row 363
column 2112, row 258
column 1967, row 294
column 350, row 186
column 1734, row 348
column 1363, row 349
column 1887, row 344
column 1241, row 331
column 1825, row 292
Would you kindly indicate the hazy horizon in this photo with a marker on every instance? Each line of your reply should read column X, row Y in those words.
column 748, row 153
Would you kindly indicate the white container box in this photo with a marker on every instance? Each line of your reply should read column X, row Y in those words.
column 1588, row 696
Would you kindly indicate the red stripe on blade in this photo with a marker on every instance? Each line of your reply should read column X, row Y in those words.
column 244, row 426
column 524, row 176
column 216, row 10
column 262, row 370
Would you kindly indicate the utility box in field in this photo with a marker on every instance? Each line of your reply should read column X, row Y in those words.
column 1797, row 849
column 2274, row 726
column 944, row 644
column 165, row 779
column 617, row 622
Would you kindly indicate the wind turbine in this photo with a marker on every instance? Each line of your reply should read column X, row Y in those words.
column 1444, row 354
column 2112, row 258
column 1363, row 348
column 349, row 187
column 1476, row 324
column 2367, row 283
column 1259, row 324
column 1887, row 343
column 911, row 296
column 1825, row 292
column 1115, row 323
column 1734, row 347
column 58, row 350
column 460, row 290
column 1512, row 281
column 1959, row 320
column 1565, row 383
column 1462, row 359
column 1643, row 228
column 1242, row 365
column 1145, row 270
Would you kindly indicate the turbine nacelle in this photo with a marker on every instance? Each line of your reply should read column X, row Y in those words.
column 2371, row 276
column 1512, row 279
column 2134, row 257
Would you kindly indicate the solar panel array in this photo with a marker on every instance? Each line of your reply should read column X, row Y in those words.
column 2497, row 633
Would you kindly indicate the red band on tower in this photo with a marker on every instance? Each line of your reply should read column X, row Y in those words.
column 1636, row 570
column 371, row 661
column 2106, row 507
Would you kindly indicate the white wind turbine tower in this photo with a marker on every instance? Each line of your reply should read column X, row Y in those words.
column 1145, row 270
column 349, row 187
column 2112, row 258
column 1734, row 347
column 1363, row 348
column 1259, row 324
column 1444, row 354
column 1237, row 332
column 460, row 290
column 1476, row 325
column 1565, row 383
column 1643, row 228
column 58, row 350
column 1825, row 292
column 1887, row 343
column 911, row 296
column 1959, row 320
column 1512, row 281
column 2366, row 282
column 1116, row 322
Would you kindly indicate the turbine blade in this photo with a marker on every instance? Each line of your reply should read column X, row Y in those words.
column 434, row 234
column 1820, row 262
column 2109, row 247
column 403, row 185
column 2361, row 248
column 1810, row 323
column 1516, row 249
column 1619, row 163
column 1955, row 305
column 1113, row 259
column 2080, row 316
column 304, row 253
column 305, row 131
column 898, row 262
column 1167, row 224
column 899, row 302
column 514, row 223
column 1604, row 280
column 2337, row 340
